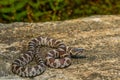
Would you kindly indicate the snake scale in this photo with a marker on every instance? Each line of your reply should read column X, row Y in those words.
column 58, row 57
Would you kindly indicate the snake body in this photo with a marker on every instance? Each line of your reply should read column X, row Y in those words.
column 58, row 57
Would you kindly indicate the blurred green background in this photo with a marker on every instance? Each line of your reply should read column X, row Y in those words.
column 52, row 10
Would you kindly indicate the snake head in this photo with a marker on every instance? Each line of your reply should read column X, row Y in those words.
column 77, row 52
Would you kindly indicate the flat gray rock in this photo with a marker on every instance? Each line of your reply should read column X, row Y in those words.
column 98, row 35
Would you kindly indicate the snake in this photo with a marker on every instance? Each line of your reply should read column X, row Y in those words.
column 59, row 57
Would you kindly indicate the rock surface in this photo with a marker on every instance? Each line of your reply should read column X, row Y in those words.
column 98, row 35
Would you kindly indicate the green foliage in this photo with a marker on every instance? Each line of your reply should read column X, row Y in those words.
column 46, row 10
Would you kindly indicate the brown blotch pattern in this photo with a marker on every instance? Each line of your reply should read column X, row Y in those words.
column 56, row 58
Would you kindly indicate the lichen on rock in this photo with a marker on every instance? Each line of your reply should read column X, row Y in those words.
column 98, row 35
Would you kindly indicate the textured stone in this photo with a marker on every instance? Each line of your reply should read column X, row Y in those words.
column 98, row 35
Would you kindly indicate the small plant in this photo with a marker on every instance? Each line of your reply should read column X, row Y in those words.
column 47, row 10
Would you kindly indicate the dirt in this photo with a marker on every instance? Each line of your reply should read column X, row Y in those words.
column 98, row 35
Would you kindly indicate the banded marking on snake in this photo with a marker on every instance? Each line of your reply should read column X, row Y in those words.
column 58, row 57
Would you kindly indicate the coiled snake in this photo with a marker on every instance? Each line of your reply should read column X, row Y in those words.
column 59, row 57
